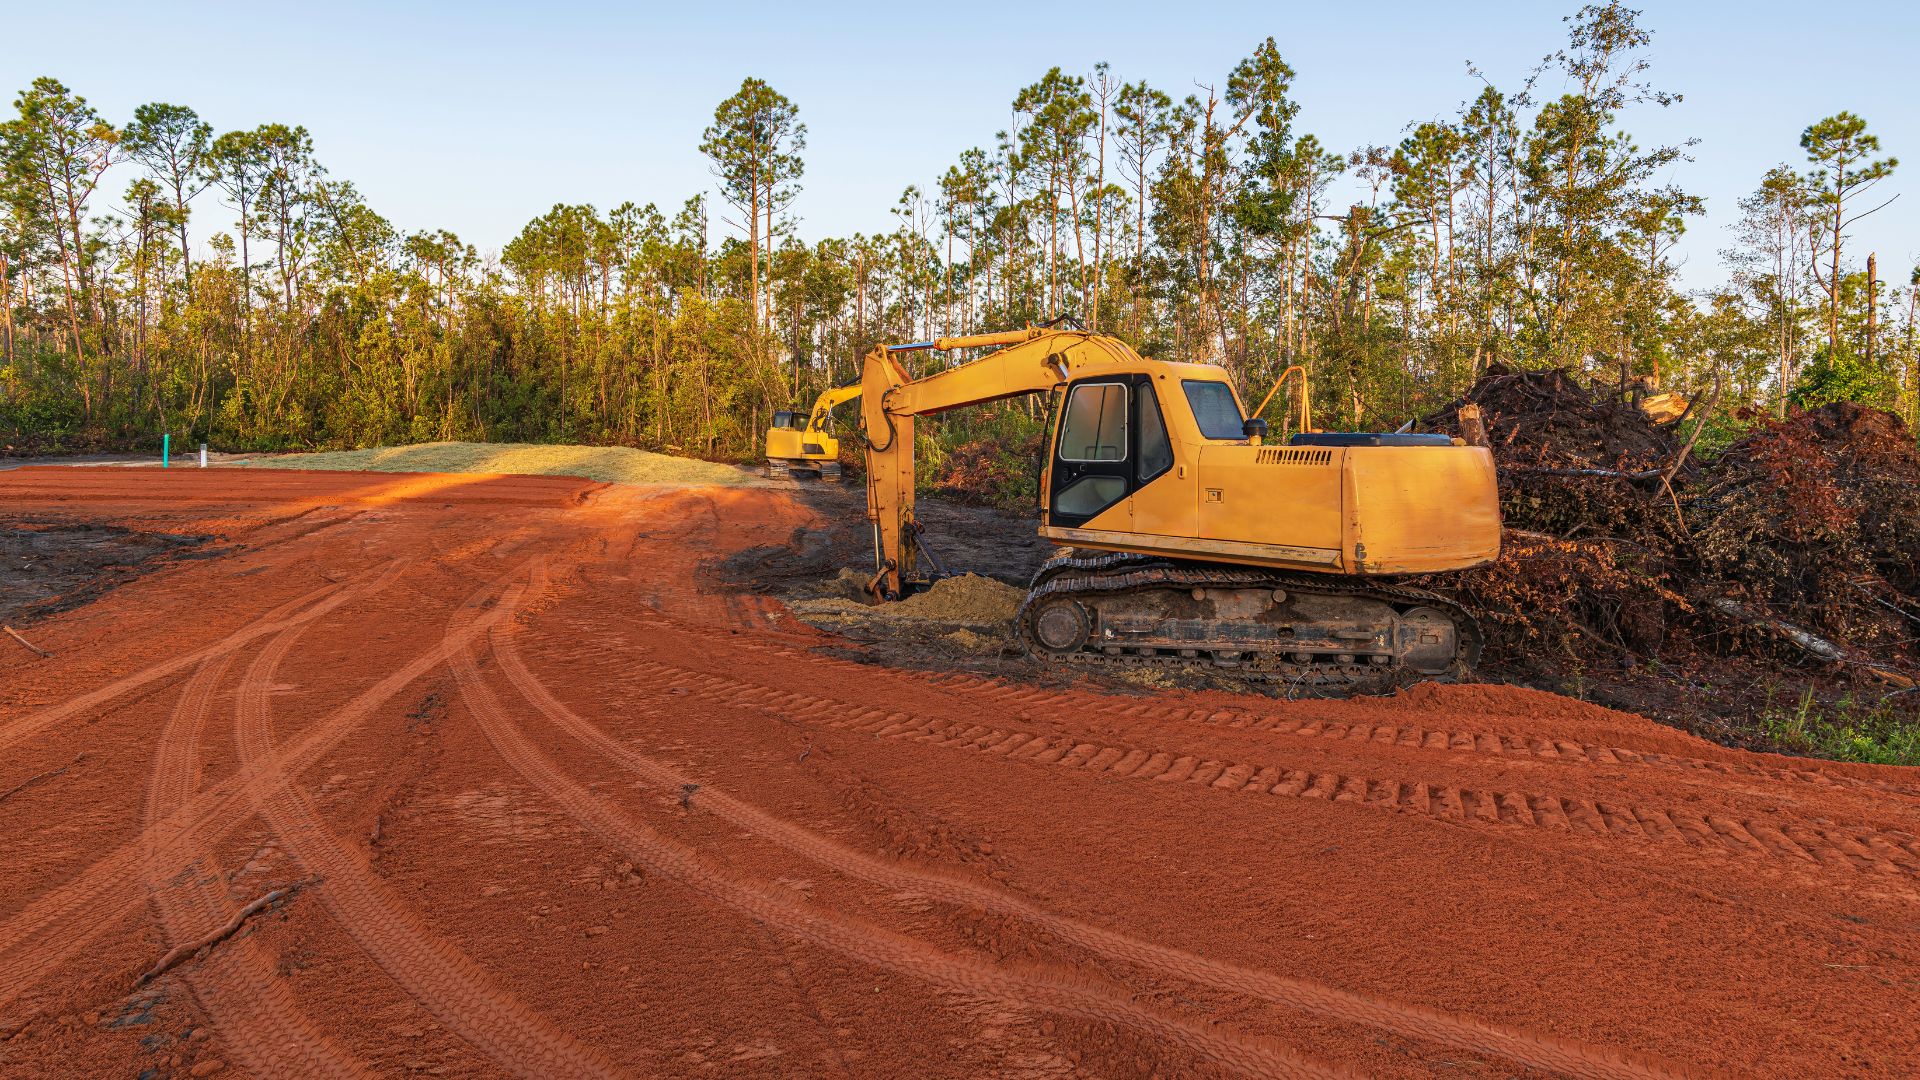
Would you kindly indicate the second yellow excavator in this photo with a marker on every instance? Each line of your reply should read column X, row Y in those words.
column 805, row 441
column 1194, row 541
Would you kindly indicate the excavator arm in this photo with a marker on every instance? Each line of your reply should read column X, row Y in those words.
column 1031, row 361
column 828, row 401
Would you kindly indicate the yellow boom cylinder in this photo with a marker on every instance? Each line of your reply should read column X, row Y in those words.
column 982, row 341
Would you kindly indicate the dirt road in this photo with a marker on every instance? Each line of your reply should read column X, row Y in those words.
column 477, row 776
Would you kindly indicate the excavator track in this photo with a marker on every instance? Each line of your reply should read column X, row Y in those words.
column 1319, row 634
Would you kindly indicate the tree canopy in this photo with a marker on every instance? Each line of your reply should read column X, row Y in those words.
column 233, row 289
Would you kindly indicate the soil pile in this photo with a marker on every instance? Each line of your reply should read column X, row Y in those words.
column 968, row 600
column 1796, row 552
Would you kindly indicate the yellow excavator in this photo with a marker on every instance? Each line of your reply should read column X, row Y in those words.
column 805, row 441
column 1193, row 540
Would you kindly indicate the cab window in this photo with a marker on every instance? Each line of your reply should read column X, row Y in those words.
column 1156, row 451
column 1215, row 409
column 1095, row 425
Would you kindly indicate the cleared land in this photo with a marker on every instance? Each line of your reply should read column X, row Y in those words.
column 481, row 775
column 608, row 464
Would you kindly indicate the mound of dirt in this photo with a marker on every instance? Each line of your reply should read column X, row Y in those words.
column 968, row 599
column 965, row 601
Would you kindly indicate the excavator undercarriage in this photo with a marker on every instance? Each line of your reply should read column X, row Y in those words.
column 1323, row 633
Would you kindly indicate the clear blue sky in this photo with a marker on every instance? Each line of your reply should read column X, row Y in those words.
column 476, row 117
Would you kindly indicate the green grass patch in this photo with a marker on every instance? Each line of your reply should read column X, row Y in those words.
column 610, row 464
column 1847, row 730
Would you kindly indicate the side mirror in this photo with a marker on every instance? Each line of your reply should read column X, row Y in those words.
column 1255, row 428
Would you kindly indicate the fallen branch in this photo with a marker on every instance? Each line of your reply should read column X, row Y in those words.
column 1679, row 459
column 1896, row 608
column 15, row 635
column 179, row 954
column 1528, row 534
column 37, row 777
column 1542, row 470
column 1809, row 641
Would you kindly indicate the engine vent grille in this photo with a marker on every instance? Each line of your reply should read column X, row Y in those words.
column 1293, row 455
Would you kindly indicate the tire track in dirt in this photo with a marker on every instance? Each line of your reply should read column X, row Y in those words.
column 435, row 972
column 1029, row 700
column 1039, row 702
column 1809, row 844
column 857, row 938
column 62, row 922
column 1564, row 1056
column 246, row 1002
column 19, row 729
column 16, row 731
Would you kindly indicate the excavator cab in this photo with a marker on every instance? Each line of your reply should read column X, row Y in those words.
column 1163, row 460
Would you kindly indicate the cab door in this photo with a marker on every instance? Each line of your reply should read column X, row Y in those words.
column 1092, row 468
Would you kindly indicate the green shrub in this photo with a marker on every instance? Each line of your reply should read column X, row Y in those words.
column 1847, row 730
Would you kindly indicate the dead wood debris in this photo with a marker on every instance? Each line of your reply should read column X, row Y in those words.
column 15, row 635
column 1794, row 552
column 40, row 777
column 180, row 954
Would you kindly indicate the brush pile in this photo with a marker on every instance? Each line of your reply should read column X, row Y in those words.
column 1796, row 552
column 1815, row 520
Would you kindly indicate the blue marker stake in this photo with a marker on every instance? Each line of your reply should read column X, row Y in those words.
column 166, row 447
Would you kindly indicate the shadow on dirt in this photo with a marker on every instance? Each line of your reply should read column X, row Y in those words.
column 964, row 623
column 965, row 539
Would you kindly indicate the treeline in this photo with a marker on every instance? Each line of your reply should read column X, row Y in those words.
column 1528, row 229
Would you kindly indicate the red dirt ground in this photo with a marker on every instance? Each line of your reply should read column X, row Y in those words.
column 536, row 803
